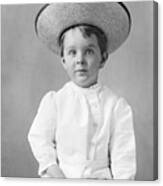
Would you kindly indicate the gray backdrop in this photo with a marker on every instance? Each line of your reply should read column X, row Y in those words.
column 29, row 70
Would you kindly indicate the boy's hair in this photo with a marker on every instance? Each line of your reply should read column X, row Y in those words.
column 86, row 31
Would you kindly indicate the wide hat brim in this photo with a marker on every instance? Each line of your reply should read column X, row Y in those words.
column 111, row 17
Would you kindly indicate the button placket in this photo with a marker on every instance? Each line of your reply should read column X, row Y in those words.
column 95, row 109
column 94, row 103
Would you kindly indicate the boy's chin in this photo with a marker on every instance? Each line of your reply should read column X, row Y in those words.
column 84, row 84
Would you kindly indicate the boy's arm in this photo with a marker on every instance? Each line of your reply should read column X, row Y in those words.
column 42, row 134
column 122, row 145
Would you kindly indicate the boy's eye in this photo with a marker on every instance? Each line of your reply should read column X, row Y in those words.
column 72, row 52
column 89, row 51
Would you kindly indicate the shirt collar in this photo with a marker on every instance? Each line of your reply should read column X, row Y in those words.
column 94, row 89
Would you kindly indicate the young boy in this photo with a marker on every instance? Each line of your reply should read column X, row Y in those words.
column 84, row 130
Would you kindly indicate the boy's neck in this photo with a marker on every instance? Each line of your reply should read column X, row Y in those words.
column 93, row 87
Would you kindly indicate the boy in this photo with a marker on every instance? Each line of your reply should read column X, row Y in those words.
column 84, row 130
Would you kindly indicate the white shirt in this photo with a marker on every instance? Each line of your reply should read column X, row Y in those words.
column 88, row 130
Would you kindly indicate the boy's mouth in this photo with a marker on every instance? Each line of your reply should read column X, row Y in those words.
column 81, row 70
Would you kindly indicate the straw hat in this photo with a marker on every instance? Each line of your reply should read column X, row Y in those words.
column 111, row 17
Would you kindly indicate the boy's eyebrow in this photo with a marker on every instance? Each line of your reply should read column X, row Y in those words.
column 70, row 47
column 73, row 46
column 92, row 45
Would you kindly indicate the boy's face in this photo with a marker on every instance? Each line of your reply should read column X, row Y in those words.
column 82, row 58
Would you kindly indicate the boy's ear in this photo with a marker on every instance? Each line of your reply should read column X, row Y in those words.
column 62, row 59
column 63, row 62
column 104, row 59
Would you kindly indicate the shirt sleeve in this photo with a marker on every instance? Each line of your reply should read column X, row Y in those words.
column 122, row 145
column 42, row 133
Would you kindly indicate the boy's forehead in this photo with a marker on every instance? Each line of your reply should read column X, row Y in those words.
column 72, row 30
column 75, row 36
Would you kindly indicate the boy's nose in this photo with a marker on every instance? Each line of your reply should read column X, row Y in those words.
column 80, row 59
column 80, row 62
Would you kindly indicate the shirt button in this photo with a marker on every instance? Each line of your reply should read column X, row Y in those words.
column 92, row 143
column 95, row 105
